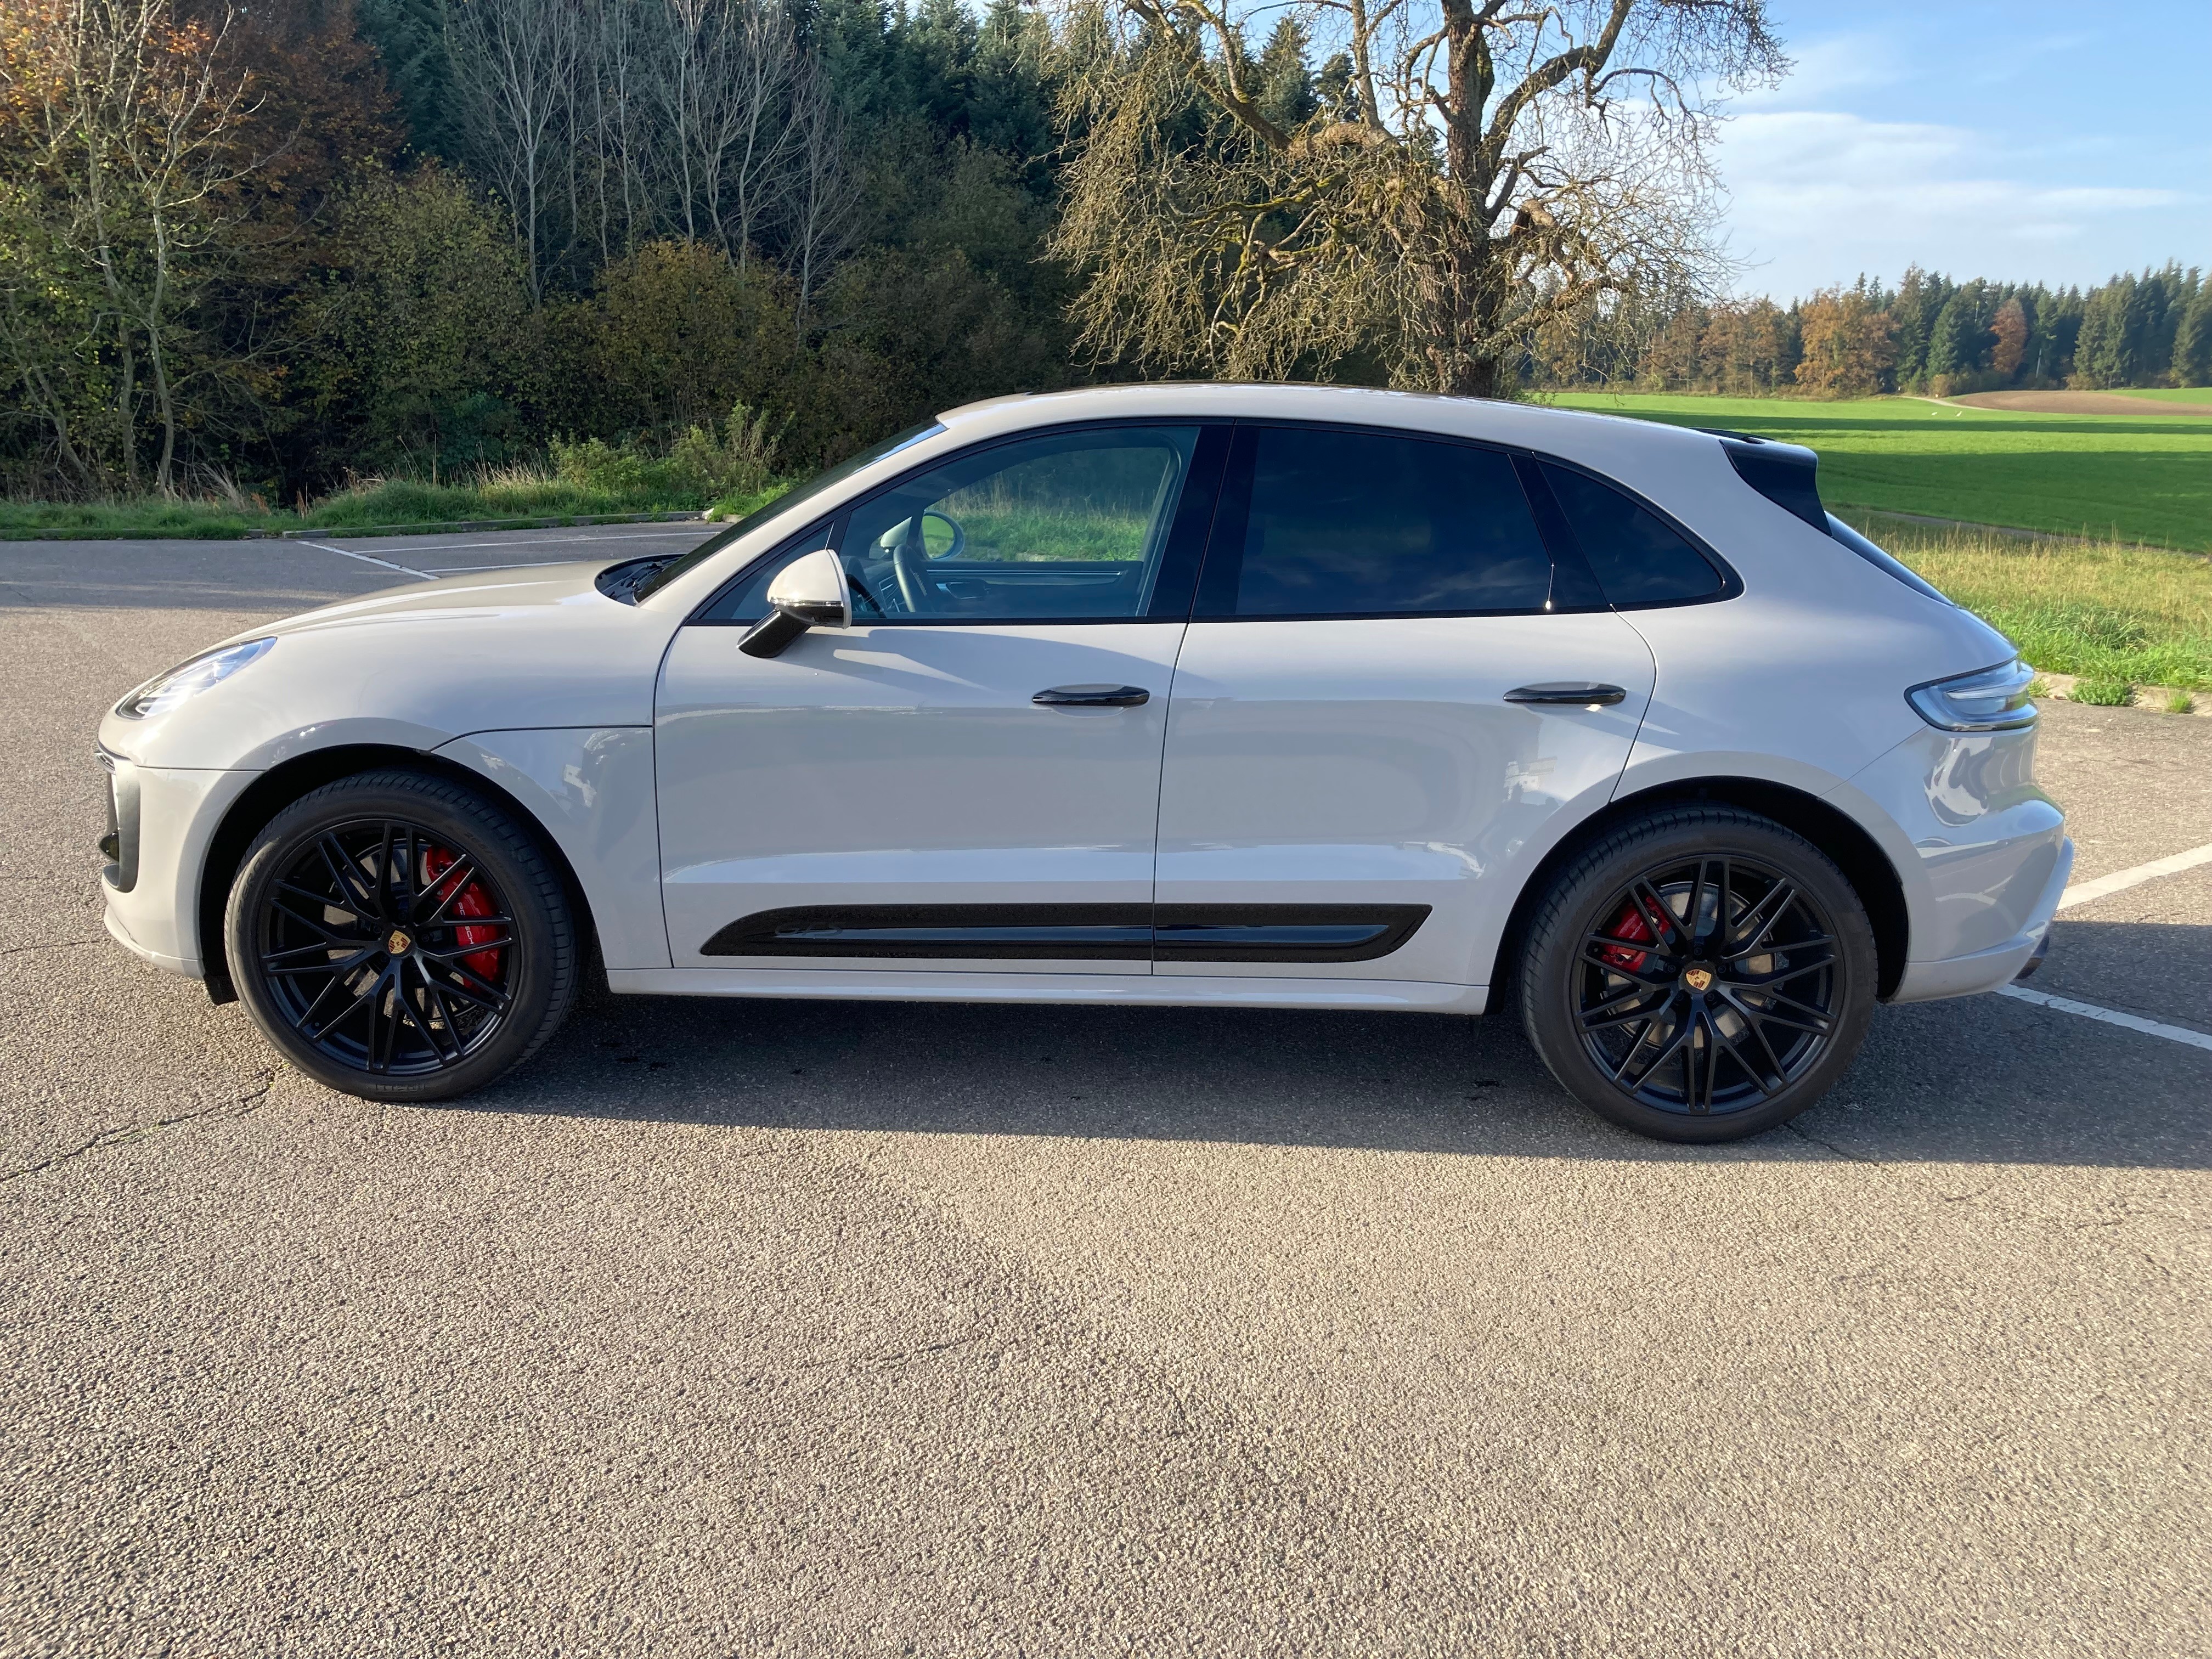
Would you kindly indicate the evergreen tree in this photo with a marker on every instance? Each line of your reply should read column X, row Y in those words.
column 409, row 36
column 1913, row 310
column 1959, row 339
column 2104, row 353
column 2193, row 338
column 1286, row 84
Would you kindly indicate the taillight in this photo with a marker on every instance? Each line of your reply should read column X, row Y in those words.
column 1987, row 700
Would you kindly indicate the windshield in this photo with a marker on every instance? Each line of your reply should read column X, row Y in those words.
column 788, row 501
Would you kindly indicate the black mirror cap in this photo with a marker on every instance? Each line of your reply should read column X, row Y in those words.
column 773, row 634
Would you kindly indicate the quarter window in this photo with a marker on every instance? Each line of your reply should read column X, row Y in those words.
column 1376, row 525
column 1637, row 556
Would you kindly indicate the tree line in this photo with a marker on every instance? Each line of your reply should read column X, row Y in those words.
column 1927, row 334
column 270, row 248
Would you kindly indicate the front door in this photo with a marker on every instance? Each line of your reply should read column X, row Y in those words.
column 968, row 776
column 1371, row 713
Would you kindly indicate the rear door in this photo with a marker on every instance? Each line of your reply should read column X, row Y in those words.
column 1384, row 695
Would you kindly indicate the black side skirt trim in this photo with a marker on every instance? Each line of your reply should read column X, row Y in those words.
column 1282, row 932
column 1172, row 932
column 959, row 932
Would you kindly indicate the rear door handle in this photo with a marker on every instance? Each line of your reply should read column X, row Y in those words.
column 1581, row 693
column 1093, row 697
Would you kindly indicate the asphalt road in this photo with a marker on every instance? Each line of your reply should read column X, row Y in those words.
column 826, row 1328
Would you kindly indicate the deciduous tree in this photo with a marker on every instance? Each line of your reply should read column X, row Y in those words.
column 1849, row 346
column 1475, row 168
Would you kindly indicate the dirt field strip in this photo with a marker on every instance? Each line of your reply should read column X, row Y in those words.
column 2068, row 403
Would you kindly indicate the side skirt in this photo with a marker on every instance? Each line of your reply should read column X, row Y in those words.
column 887, row 985
column 1082, row 933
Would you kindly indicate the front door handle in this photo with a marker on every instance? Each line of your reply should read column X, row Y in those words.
column 1580, row 693
column 1093, row 697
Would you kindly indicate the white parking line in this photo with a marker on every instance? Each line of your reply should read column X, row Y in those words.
column 2120, row 880
column 403, row 569
column 2108, row 1016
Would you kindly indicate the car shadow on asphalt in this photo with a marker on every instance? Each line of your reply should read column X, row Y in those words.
column 1984, row 1079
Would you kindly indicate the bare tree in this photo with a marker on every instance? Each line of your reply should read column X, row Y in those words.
column 1486, row 166
column 516, row 65
column 725, row 76
column 824, row 192
column 615, row 125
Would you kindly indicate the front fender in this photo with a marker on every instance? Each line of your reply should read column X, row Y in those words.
column 592, row 790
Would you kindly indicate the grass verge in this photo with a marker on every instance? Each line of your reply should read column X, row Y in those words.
column 509, row 493
column 149, row 520
column 2110, row 613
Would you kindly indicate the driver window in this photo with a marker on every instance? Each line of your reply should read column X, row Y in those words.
column 1067, row 527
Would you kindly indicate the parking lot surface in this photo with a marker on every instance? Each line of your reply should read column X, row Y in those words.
column 825, row 1329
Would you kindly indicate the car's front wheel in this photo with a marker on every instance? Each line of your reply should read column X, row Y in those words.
column 1700, row 973
column 400, row 937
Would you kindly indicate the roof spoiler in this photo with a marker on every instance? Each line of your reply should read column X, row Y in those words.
column 1786, row 474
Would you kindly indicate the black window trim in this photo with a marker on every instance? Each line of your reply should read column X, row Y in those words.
column 1192, row 522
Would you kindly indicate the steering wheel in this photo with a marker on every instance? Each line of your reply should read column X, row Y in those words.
column 910, row 554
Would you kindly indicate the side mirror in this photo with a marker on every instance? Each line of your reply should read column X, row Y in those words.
column 811, row 592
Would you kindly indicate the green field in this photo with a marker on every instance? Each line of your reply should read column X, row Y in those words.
column 2145, row 478
column 2187, row 394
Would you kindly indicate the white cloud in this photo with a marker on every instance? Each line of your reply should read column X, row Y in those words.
column 1818, row 195
column 1839, row 64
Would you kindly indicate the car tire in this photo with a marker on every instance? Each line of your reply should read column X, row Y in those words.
column 1698, row 974
column 400, row 937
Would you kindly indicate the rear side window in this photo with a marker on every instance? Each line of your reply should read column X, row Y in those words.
column 1637, row 556
column 1372, row 525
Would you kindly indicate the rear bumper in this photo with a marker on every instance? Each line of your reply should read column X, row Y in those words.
column 1999, row 965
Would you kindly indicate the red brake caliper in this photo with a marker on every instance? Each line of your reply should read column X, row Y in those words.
column 473, row 901
column 1633, row 925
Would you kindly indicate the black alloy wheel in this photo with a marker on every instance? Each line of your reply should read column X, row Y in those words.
column 1701, row 974
column 400, row 938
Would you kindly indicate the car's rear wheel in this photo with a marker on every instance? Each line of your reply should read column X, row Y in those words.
column 1700, row 973
column 400, row 937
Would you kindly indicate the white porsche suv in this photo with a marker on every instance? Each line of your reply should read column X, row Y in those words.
column 1265, row 696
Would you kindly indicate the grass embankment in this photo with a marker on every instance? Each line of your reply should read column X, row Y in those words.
column 509, row 492
column 2131, row 478
column 2116, row 616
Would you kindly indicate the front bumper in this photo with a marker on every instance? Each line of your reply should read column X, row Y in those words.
column 162, row 821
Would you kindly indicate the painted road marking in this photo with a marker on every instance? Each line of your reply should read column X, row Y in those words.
column 403, row 569
column 2120, row 880
column 2108, row 1016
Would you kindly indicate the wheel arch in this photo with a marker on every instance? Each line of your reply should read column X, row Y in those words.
column 1873, row 876
column 286, row 782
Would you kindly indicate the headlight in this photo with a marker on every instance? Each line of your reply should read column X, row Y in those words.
column 165, row 691
column 1987, row 700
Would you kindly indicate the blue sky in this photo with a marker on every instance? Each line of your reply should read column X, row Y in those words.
column 2032, row 141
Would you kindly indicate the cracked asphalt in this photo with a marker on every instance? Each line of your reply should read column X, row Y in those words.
column 826, row 1328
